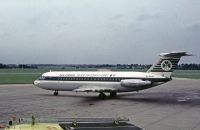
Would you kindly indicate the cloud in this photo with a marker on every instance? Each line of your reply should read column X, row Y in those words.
column 118, row 16
column 148, row 17
column 193, row 27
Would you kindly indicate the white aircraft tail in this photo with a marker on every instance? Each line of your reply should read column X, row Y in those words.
column 167, row 63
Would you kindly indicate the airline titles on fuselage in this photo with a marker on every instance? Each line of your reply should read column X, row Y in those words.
column 87, row 75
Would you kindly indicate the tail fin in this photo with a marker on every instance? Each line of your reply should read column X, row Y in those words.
column 167, row 63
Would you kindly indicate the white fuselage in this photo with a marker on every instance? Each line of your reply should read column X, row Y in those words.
column 72, row 80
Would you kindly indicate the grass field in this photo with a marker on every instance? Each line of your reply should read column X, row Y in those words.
column 27, row 76
column 193, row 74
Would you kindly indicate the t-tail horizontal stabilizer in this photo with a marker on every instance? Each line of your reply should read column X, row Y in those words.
column 167, row 63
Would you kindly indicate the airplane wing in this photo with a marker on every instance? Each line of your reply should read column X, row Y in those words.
column 94, row 89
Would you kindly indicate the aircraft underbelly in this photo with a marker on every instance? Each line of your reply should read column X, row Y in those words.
column 70, row 85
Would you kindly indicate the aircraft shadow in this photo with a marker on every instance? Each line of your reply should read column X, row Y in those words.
column 162, row 98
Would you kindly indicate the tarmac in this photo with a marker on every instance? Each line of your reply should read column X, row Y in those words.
column 171, row 106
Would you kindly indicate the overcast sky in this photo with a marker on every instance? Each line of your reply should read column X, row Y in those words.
column 97, row 31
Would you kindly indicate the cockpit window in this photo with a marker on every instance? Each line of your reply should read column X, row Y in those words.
column 41, row 78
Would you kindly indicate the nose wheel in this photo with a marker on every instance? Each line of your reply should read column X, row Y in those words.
column 55, row 93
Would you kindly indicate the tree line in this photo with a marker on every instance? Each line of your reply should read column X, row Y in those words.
column 98, row 66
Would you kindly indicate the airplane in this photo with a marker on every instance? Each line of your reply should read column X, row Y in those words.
column 111, row 82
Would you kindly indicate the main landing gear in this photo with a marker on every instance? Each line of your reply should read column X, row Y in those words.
column 55, row 93
column 103, row 95
column 113, row 94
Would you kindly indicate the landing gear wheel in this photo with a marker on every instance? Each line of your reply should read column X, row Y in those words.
column 102, row 95
column 113, row 94
column 55, row 93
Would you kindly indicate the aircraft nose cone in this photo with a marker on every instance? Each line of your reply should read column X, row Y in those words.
column 36, row 82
